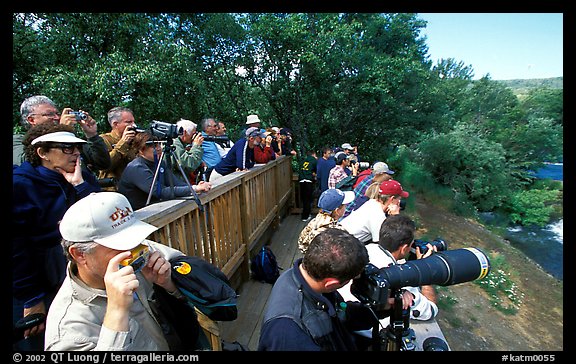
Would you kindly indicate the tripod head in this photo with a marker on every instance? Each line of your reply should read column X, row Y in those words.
column 167, row 155
column 397, row 336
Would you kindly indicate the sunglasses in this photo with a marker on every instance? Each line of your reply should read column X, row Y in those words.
column 67, row 148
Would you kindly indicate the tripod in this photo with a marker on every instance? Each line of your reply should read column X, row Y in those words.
column 167, row 155
column 398, row 336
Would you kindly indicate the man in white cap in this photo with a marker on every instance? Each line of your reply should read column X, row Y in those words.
column 106, row 301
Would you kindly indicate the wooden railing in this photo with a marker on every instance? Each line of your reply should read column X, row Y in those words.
column 233, row 217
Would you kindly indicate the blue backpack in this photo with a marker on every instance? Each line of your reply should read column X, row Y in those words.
column 264, row 266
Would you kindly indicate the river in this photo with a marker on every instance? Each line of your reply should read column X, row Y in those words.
column 543, row 245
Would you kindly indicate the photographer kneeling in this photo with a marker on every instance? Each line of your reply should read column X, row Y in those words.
column 394, row 246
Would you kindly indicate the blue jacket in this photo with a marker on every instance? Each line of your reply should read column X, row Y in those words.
column 239, row 156
column 137, row 178
column 211, row 156
column 299, row 319
column 323, row 168
column 40, row 196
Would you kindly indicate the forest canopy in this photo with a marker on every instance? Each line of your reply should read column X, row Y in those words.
column 364, row 79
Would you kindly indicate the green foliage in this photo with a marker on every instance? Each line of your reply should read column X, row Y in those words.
column 533, row 206
column 332, row 78
column 545, row 103
column 473, row 167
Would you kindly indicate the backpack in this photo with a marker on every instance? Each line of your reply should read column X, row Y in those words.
column 264, row 266
column 206, row 287
column 347, row 184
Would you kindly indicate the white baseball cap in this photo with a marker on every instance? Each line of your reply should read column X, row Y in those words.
column 347, row 146
column 252, row 119
column 106, row 218
column 58, row 137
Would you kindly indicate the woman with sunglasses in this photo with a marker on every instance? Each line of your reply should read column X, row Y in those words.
column 43, row 187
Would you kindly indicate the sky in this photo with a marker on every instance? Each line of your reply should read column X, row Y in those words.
column 506, row 45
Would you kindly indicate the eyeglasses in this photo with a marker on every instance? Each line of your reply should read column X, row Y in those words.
column 67, row 148
column 48, row 114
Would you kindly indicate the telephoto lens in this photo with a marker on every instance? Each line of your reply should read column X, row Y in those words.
column 442, row 268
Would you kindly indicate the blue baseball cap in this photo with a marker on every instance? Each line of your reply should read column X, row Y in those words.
column 332, row 198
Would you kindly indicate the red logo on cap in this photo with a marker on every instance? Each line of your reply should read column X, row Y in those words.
column 120, row 214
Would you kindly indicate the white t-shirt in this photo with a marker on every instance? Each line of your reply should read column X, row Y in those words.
column 422, row 306
column 364, row 222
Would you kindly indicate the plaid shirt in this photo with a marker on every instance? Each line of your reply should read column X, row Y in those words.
column 336, row 175
column 359, row 192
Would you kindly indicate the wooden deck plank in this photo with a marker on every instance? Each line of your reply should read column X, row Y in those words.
column 253, row 295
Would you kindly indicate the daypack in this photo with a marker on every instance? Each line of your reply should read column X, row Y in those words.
column 206, row 287
column 264, row 266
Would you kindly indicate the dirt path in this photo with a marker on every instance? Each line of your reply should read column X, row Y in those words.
column 470, row 322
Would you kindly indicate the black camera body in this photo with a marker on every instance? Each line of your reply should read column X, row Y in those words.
column 165, row 130
column 137, row 130
column 79, row 115
column 446, row 268
column 440, row 245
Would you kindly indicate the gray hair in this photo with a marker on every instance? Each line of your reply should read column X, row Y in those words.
column 84, row 247
column 205, row 122
column 29, row 105
column 115, row 113
column 187, row 125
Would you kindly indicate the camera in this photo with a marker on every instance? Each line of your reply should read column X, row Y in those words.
column 440, row 245
column 79, row 115
column 444, row 268
column 216, row 138
column 107, row 182
column 138, row 259
column 362, row 165
column 165, row 130
column 137, row 130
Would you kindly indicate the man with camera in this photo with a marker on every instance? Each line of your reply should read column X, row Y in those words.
column 225, row 144
column 377, row 174
column 40, row 109
column 383, row 201
column 115, row 277
column 338, row 174
column 305, row 312
column 119, row 144
column 396, row 240
column 188, row 149
column 241, row 156
column 211, row 156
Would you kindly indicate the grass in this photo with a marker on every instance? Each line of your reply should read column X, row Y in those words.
column 503, row 293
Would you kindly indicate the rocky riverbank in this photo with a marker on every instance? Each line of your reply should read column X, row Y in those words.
column 468, row 318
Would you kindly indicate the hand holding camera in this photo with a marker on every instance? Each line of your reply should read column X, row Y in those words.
column 198, row 139
column 120, row 283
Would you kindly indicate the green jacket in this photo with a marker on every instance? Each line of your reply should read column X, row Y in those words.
column 189, row 157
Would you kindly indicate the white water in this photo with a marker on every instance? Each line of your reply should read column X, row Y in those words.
column 558, row 230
